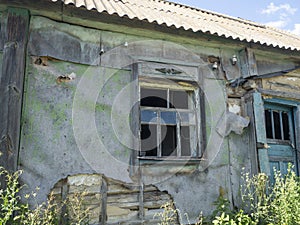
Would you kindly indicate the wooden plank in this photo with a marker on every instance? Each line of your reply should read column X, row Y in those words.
column 251, row 62
column 258, row 109
column 63, row 46
column 11, row 85
column 260, row 133
column 47, row 8
column 252, row 151
column 231, row 71
column 2, row 29
column 135, row 122
column 169, row 71
column 64, row 196
column 141, row 202
column 248, row 63
column 103, row 215
column 297, row 134
column 287, row 95
column 263, row 158
column 200, row 107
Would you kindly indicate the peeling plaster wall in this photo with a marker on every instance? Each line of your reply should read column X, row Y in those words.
column 48, row 147
column 55, row 145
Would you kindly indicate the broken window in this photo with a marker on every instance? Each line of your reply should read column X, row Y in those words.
column 168, row 121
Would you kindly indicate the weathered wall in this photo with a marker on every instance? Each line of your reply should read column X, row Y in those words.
column 69, row 122
column 289, row 82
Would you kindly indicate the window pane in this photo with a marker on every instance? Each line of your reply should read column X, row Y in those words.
column 187, row 118
column 154, row 98
column 169, row 143
column 179, row 99
column 268, row 123
column 285, row 124
column 149, row 140
column 148, row 116
column 185, row 141
column 277, row 126
column 168, row 117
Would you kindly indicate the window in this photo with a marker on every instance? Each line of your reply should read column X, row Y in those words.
column 280, row 135
column 278, row 124
column 169, row 121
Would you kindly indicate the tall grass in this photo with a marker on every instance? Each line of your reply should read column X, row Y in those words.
column 263, row 203
column 14, row 211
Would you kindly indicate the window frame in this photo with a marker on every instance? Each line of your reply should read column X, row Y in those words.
column 263, row 144
column 194, row 102
column 273, row 106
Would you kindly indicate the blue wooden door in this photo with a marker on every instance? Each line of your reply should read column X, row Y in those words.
column 280, row 135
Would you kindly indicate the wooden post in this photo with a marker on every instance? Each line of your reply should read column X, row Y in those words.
column 11, row 85
column 135, row 123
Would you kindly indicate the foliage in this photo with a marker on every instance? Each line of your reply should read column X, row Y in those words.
column 9, row 196
column 263, row 203
column 277, row 203
column 15, row 211
column 170, row 215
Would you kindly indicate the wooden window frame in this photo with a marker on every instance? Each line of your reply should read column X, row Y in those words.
column 193, row 105
column 260, row 103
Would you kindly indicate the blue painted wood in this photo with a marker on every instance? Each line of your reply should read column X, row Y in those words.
column 283, row 102
column 264, row 161
column 282, row 154
column 258, row 108
column 281, row 151
column 260, row 130
column 297, row 134
column 274, row 106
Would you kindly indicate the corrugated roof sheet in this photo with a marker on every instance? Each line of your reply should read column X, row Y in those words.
column 189, row 18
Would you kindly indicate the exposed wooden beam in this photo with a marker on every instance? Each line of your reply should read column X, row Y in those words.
column 11, row 84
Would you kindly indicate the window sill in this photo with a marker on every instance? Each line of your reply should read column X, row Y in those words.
column 169, row 160
column 170, row 165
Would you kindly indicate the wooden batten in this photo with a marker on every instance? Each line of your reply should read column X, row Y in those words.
column 11, row 84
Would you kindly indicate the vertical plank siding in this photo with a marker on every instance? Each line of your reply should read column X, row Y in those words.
column 11, row 84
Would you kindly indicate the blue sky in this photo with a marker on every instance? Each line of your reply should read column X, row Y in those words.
column 282, row 14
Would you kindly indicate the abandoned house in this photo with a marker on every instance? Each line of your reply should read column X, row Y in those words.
column 142, row 102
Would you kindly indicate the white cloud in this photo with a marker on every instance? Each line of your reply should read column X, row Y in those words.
column 296, row 29
column 283, row 13
column 272, row 8
column 277, row 24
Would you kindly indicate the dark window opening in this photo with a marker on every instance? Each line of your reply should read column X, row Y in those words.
column 169, row 142
column 268, row 120
column 179, row 99
column 154, row 98
column 168, row 123
column 185, row 141
column 277, row 124
column 149, row 140
column 286, row 129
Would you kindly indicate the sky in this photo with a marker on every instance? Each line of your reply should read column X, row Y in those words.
column 282, row 14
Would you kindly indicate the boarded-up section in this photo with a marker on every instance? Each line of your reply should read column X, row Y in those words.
column 110, row 201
